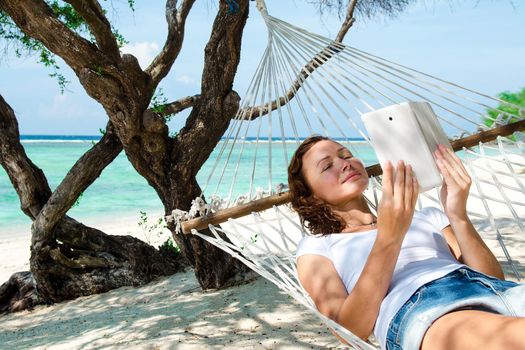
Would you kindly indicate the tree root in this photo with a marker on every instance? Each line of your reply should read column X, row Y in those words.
column 19, row 293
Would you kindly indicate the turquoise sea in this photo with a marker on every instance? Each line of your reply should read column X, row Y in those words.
column 121, row 191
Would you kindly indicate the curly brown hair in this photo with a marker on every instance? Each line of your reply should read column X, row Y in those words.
column 315, row 214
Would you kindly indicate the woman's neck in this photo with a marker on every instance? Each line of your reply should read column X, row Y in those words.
column 357, row 215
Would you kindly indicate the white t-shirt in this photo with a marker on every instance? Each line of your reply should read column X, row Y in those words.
column 424, row 257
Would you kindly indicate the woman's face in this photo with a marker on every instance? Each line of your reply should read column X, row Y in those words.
column 334, row 175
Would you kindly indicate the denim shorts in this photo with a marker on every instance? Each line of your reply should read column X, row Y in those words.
column 463, row 288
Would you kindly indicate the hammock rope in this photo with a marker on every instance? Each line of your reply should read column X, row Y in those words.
column 308, row 83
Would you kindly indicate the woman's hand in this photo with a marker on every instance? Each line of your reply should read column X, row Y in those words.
column 454, row 194
column 456, row 183
column 398, row 201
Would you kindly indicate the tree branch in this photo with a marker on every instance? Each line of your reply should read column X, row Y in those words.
column 348, row 22
column 251, row 113
column 28, row 180
column 99, row 26
column 85, row 171
column 177, row 106
column 176, row 19
column 30, row 183
column 211, row 115
column 36, row 19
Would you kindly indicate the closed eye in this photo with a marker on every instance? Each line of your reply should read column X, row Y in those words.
column 327, row 166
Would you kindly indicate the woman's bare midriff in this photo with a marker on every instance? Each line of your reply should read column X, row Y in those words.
column 476, row 330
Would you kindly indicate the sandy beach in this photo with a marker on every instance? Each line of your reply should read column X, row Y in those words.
column 174, row 313
column 169, row 313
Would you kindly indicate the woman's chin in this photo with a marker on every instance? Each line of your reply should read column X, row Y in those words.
column 359, row 184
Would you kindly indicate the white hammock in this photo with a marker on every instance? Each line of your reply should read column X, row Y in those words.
column 324, row 88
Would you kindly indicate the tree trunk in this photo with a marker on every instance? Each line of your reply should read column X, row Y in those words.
column 193, row 145
column 213, row 267
column 74, row 259
column 84, row 261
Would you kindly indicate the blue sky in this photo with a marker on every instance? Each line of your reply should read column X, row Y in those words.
column 477, row 44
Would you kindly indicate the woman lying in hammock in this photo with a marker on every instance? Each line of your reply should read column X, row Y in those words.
column 417, row 280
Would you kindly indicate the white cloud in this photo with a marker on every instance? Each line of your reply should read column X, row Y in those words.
column 186, row 79
column 62, row 107
column 144, row 51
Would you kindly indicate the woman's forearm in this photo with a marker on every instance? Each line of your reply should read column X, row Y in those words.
column 474, row 251
column 360, row 310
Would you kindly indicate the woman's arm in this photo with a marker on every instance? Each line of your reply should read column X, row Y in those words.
column 461, row 233
column 358, row 310
column 472, row 250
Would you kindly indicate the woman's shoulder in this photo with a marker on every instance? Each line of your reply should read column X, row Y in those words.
column 313, row 244
column 314, row 240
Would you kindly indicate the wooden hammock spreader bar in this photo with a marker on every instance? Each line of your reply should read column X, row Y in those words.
column 221, row 216
column 235, row 212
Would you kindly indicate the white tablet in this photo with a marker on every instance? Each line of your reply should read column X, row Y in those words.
column 409, row 131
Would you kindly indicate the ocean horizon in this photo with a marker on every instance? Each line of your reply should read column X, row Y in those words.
column 89, row 138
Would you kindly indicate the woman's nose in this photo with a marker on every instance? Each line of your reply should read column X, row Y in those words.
column 346, row 165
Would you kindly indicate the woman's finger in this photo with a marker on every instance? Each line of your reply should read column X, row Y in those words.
column 399, row 183
column 409, row 186
column 415, row 191
column 450, row 174
column 445, row 171
column 449, row 154
column 452, row 157
column 386, row 183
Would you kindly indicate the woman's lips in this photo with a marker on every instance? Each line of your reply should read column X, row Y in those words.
column 351, row 176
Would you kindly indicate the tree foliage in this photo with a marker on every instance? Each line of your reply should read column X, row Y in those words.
column 24, row 45
column 364, row 9
column 506, row 113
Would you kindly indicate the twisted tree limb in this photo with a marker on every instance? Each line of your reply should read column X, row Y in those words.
column 348, row 22
column 176, row 18
column 99, row 26
column 36, row 19
column 28, row 180
column 178, row 106
column 83, row 173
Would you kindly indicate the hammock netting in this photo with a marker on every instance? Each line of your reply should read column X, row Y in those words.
column 306, row 84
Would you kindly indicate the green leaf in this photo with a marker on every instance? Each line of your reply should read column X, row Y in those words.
column 158, row 102
column 505, row 112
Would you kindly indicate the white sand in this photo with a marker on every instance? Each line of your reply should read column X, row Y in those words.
column 174, row 313
column 170, row 313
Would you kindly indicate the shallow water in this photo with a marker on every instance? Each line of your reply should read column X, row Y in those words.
column 120, row 191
